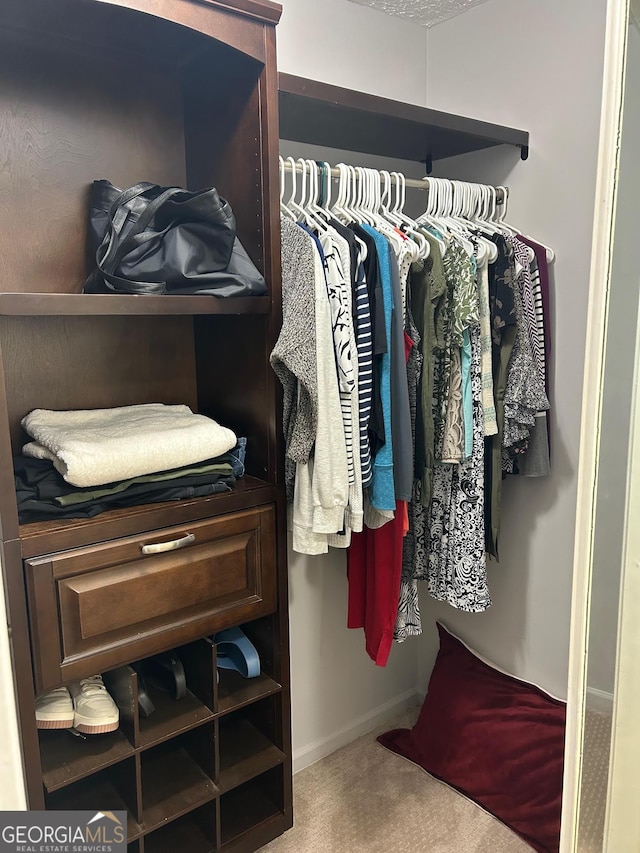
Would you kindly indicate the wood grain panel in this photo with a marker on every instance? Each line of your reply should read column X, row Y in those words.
column 95, row 362
column 64, row 122
column 124, row 597
column 239, row 390
column 167, row 30
column 223, row 139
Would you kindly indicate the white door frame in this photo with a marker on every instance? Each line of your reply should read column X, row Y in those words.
column 601, row 258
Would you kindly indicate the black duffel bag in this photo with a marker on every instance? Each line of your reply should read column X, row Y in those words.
column 153, row 240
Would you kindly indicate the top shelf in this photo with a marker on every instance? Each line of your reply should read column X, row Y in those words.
column 328, row 115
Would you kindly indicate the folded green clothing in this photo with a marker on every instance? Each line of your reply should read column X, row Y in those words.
column 85, row 495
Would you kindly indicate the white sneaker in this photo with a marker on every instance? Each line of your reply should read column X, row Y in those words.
column 54, row 709
column 95, row 711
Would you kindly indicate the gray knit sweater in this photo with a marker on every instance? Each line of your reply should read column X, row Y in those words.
column 294, row 355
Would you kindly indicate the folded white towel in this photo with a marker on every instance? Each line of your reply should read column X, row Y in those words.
column 94, row 447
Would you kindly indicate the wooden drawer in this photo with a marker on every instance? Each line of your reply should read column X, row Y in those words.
column 94, row 608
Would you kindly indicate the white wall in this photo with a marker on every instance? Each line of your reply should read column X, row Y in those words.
column 353, row 46
column 537, row 65
column 337, row 691
column 614, row 442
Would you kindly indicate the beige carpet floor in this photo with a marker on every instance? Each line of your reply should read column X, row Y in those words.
column 595, row 775
column 365, row 799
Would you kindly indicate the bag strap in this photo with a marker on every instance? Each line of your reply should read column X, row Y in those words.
column 118, row 215
column 111, row 250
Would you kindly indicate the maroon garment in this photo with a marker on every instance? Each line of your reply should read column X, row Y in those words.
column 494, row 738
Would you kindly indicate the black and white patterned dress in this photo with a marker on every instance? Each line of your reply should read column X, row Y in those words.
column 457, row 572
column 408, row 622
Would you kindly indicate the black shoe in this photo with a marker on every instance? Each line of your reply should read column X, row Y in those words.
column 145, row 705
column 166, row 672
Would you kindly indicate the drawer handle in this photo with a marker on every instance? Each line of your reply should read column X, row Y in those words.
column 161, row 547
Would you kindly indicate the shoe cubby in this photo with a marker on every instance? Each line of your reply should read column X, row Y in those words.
column 178, row 776
column 67, row 757
column 115, row 789
column 172, row 716
column 247, row 743
column 193, row 833
column 251, row 813
column 234, row 691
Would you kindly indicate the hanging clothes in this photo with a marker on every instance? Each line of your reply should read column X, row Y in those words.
column 414, row 359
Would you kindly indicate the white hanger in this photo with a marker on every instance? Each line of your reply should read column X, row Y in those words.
column 463, row 209
column 284, row 210
column 471, row 202
column 412, row 228
column 445, row 219
column 325, row 171
column 530, row 253
column 551, row 255
column 428, row 218
column 351, row 189
column 339, row 210
column 314, row 195
column 387, row 226
column 312, row 206
column 292, row 205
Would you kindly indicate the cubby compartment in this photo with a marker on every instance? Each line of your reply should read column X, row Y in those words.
column 177, row 776
column 255, row 807
column 193, row 833
column 172, row 717
column 234, row 691
column 113, row 789
column 247, row 743
column 67, row 758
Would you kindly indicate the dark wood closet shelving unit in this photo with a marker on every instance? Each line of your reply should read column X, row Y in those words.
column 323, row 114
column 185, row 93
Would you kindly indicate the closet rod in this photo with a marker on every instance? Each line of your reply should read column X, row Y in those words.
column 414, row 183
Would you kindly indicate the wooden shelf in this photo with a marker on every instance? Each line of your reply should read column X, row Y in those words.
column 244, row 754
column 169, row 795
column 84, row 304
column 42, row 537
column 171, row 717
column 242, row 810
column 66, row 759
column 184, row 834
column 95, row 794
column 236, row 692
column 321, row 114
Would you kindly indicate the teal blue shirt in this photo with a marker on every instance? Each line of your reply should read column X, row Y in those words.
column 382, row 492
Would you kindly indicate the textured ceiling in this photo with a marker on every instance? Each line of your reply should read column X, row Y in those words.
column 425, row 12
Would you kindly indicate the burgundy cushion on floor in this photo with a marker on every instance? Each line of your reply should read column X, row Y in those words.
column 496, row 739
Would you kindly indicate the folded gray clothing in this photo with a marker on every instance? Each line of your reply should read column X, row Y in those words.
column 94, row 447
